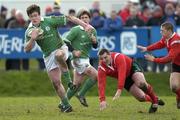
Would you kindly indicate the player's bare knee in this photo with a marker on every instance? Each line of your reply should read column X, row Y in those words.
column 59, row 56
column 142, row 86
column 141, row 99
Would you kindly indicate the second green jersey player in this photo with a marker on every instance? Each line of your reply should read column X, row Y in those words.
column 81, row 44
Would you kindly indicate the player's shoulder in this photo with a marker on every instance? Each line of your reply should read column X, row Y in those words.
column 175, row 39
column 76, row 28
column 29, row 28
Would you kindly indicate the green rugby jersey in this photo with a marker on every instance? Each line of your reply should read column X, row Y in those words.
column 80, row 40
column 50, row 39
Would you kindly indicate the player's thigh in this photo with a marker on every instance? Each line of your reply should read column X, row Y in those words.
column 62, row 53
column 136, row 92
column 77, row 78
column 91, row 72
column 175, row 80
column 55, row 74
column 138, row 78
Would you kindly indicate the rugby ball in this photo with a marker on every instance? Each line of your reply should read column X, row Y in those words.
column 30, row 31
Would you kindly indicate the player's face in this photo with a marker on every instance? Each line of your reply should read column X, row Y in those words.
column 106, row 58
column 35, row 18
column 85, row 18
column 165, row 33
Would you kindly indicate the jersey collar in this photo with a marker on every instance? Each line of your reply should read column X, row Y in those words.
column 170, row 37
column 81, row 27
column 31, row 25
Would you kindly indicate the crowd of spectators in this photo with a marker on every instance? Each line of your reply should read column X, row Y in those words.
column 135, row 13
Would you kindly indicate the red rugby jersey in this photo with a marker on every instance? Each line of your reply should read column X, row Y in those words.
column 120, row 68
column 173, row 47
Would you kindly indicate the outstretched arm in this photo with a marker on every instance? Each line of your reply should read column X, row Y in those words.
column 76, row 20
column 101, row 87
column 173, row 53
column 143, row 49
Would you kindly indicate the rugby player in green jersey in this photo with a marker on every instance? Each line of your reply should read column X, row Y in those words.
column 44, row 31
column 81, row 43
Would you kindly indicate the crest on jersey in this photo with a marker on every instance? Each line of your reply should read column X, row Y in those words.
column 47, row 28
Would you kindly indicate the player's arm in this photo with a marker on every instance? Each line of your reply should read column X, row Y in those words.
column 94, row 39
column 31, row 42
column 172, row 54
column 158, row 45
column 101, row 83
column 101, row 87
column 76, row 20
column 121, row 66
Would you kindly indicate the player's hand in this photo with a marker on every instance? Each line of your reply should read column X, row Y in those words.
column 117, row 95
column 103, row 105
column 88, row 28
column 76, row 53
column 143, row 49
column 149, row 57
column 35, row 34
column 93, row 38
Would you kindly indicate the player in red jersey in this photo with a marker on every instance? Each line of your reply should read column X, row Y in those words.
column 129, row 75
column 171, row 41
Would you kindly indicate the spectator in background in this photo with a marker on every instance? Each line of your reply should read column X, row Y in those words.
column 113, row 23
column 48, row 10
column 56, row 10
column 169, row 11
column 177, row 14
column 157, row 17
column 12, row 17
column 156, row 20
column 97, row 21
column 96, row 6
column 3, row 14
column 134, row 20
column 149, row 3
column 162, row 3
column 125, row 12
column 15, row 64
column 145, row 14
column 70, row 24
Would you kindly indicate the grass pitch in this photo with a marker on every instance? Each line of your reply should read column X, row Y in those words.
column 45, row 108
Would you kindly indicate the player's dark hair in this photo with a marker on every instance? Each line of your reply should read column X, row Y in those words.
column 102, row 51
column 168, row 26
column 83, row 12
column 33, row 8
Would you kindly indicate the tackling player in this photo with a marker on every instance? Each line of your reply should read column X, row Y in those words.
column 171, row 41
column 129, row 75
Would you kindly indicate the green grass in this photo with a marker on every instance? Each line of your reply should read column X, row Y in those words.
column 45, row 108
column 37, row 83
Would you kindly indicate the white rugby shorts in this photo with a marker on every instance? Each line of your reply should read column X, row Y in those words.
column 80, row 64
column 50, row 61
